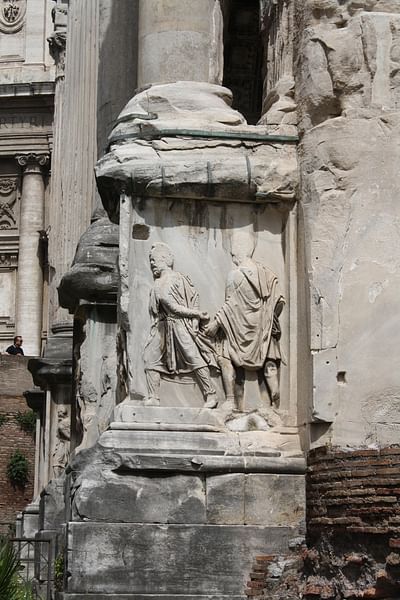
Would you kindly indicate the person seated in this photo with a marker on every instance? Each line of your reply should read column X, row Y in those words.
column 16, row 348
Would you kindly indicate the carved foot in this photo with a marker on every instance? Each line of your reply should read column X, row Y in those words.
column 151, row 401
column 275, row 397
column 211, row 402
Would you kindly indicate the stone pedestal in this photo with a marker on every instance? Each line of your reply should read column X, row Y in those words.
column 53, row 373
column 172, row 513
column 183, row 491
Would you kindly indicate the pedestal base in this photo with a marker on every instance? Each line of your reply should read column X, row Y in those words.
column 167, row 514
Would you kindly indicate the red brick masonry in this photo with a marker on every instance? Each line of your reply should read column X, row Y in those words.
column 356, row 491
column 14, row 380
column 353, row 532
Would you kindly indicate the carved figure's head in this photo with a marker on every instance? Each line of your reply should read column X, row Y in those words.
column 62, row 413
column 243, row 244
column 161, row 258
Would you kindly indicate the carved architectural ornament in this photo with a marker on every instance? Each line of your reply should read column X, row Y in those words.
column 8, row 199
column 7, row 185
column 32, row 163
column 12, row 15
column 8, row 260
column 58, row 39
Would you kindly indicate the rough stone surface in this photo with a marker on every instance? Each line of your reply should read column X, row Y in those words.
column 93, row 275
column 347, row 93
column 95, row 370
column 120, row 498
column 256, row 499
column 155, row 597
column 163, row 114
column 274, row 500
column 149, row 550
column 225, row 499
column 52, row 505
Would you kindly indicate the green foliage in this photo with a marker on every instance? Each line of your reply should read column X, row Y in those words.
column 17, row 469
column 11, row 585
column 59, row 572
column 27, row 421
column 3, row 419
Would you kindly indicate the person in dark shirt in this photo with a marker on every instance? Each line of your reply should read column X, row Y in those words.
column 16, row 348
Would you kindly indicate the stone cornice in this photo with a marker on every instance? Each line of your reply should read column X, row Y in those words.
column 49, row 372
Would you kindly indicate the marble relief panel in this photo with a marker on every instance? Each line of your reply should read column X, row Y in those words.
column 205, row 304
column 8, row 202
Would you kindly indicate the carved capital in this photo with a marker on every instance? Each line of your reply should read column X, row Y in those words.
column 58, row 39
column 32, row 162
column 57, row 45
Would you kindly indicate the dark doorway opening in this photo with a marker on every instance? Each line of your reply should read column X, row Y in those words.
column 243, row 56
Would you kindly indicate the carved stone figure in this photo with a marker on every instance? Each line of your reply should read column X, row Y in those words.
column 61, row 451
column 247, row 325
column 176, row 345
column 11, row 11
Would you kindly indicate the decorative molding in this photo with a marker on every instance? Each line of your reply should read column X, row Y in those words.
column 7, row 185
column 8, row 261
column 12, row 15
column 32, row 162
column 8, row 199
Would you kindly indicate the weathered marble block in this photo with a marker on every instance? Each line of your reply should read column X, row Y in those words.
column 156, row 560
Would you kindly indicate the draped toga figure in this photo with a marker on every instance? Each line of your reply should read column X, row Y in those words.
column 175, row 345
column 246, row 327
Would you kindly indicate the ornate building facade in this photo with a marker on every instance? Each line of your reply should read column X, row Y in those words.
column 26, row 119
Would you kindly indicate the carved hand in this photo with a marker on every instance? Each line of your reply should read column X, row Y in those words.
column 204, row 316
column 212, row 328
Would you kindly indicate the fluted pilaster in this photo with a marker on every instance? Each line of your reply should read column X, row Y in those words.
column 75, row 143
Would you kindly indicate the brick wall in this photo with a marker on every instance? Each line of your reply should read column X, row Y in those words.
column 356, row 492
column 14, row 380
column 353, row 532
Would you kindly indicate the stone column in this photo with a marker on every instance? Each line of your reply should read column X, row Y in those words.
column 75, row 147
column 30, row 274
column 180, row 40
